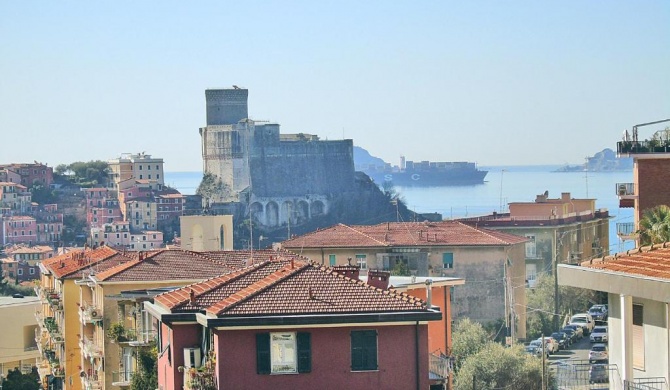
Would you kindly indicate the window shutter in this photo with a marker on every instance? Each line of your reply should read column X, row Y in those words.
column 304, row 352
column 638, row 337
column 364, row 350
column 263, row 353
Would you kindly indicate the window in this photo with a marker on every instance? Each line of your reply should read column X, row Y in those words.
column 31, row 271
column 149, row 176
column 531, row 251
column 19, row 272
column 283, row 353
column 638, row 337
column 362, row 261
column 448, row 260
column 363, row 350
column 140, row 176
column 332, row 259
column 158, row 176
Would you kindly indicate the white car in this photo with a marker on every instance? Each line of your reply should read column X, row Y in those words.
column 599, row 334
column 550, row 344
column 598, row 352
column 584, row 320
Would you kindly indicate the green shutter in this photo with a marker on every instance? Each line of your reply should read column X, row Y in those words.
column 263, row 353
column 304, row 352
column 364, row 350
column 448, row 260
column 332, row 260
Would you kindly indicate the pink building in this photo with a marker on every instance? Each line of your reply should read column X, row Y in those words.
column 8, row 175
column 18, row 230
column 49, row 224
column 36, row 173
column 285, row 324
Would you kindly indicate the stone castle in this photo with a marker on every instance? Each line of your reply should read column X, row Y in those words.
column 281, row 178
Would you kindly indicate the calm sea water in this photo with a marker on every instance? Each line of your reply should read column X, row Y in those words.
column 502, row 185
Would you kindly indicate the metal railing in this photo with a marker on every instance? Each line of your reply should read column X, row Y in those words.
column 643, row 147
column 142, row 338
column 90, row 313
column 655, row 383
column 90, row 348
column 625, row 189
column 625, row 228
column 122, row 378
column 440, row 367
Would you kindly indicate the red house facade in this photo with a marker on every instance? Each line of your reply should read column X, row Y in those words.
column 291, row 324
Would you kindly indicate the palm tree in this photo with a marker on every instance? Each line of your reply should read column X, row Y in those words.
column 655, row 225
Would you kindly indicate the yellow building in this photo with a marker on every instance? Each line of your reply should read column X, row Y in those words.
column 18, row 348
column 206, row 232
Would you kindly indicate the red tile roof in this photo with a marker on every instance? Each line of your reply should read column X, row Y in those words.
column 70, row 265
column 651, row 261
column 285, row 287
column 444, row 233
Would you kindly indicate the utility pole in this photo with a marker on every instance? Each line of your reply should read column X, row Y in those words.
column 544, row 365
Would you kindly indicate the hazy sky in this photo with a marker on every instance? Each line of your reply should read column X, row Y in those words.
column 495, row 82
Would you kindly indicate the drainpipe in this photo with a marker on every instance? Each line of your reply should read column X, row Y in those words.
column 417, row 359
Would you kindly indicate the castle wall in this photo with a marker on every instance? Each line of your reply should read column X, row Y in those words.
column 223, row 155
column 299, row 168
column 226, row 106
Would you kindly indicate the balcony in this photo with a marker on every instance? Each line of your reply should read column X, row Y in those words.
column 202, row 378
column 626, row 231
column 649, row 146
column 53, row 329
column 440, row 367
column 91, row 382
column 55, row 301
column 89, row 314
column 44, row 368
column 122, row 378
column 625, row 189
column 142, row 338
column 89, row 348
column 41, row 338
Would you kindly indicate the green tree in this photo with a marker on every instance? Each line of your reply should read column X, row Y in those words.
column 89, row 173
column 655, row 225
column 212, row 187
column 42, row 195
column 498, row 367
column 468, row 339
column 401, row 269
column 18, row 381
column 540, row 301
column 146, row 376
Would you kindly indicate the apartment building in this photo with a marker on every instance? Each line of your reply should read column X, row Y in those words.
column 18, row 348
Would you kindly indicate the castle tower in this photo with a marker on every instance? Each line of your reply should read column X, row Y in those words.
column 225, row 141
column 226, row 106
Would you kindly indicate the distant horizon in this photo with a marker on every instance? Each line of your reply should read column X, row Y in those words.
column 489, row 82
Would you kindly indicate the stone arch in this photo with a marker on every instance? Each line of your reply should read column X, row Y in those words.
column 197, row 238
column 272, row 214
column 317, row 208
column 302, row 211
column 256, row 212
column 287, row 209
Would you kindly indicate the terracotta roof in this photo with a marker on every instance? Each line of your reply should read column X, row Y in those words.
column 650, row 261
column 72, row 264
column 450, row 233
column 165, row 265
column 285, row 287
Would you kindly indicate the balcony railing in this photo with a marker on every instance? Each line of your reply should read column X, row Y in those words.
column 142, row 338
column 89, row 348
column 625, row 189
column 122, row 378
column 52, row 327
column 643, row 147
column 440, row 367
column 199, row 379
column 625, row 229
column 91, row 382
column 655, row 383
column 43, row 368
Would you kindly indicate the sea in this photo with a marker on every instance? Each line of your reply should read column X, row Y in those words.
column 503, row 184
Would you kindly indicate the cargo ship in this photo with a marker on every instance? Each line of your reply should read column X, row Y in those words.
column 425, row 173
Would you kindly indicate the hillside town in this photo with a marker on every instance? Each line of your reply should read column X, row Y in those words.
column 286, row 270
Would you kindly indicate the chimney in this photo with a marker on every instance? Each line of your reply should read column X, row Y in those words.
column 350, row 271
column 429, row 293
column 191, row 297
column 565, row 196
column 379, row 279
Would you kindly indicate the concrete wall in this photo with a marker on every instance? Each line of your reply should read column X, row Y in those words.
column 18, row 324
column 656, row 337
column 203, row 233
column 331, row 360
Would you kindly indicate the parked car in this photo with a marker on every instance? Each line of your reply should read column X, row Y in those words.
column 571, row 334
column 599, row 373
column 536, row 350
column 599, row 334
column 598, row 353
column 551, row 344
column 562, row 338
column 579, row 331
column 584, row 320
column 537, row 345
column 598, row 312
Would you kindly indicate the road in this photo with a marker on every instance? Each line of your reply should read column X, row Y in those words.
column 571, row 367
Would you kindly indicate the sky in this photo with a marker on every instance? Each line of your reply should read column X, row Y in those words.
column 493, row 82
